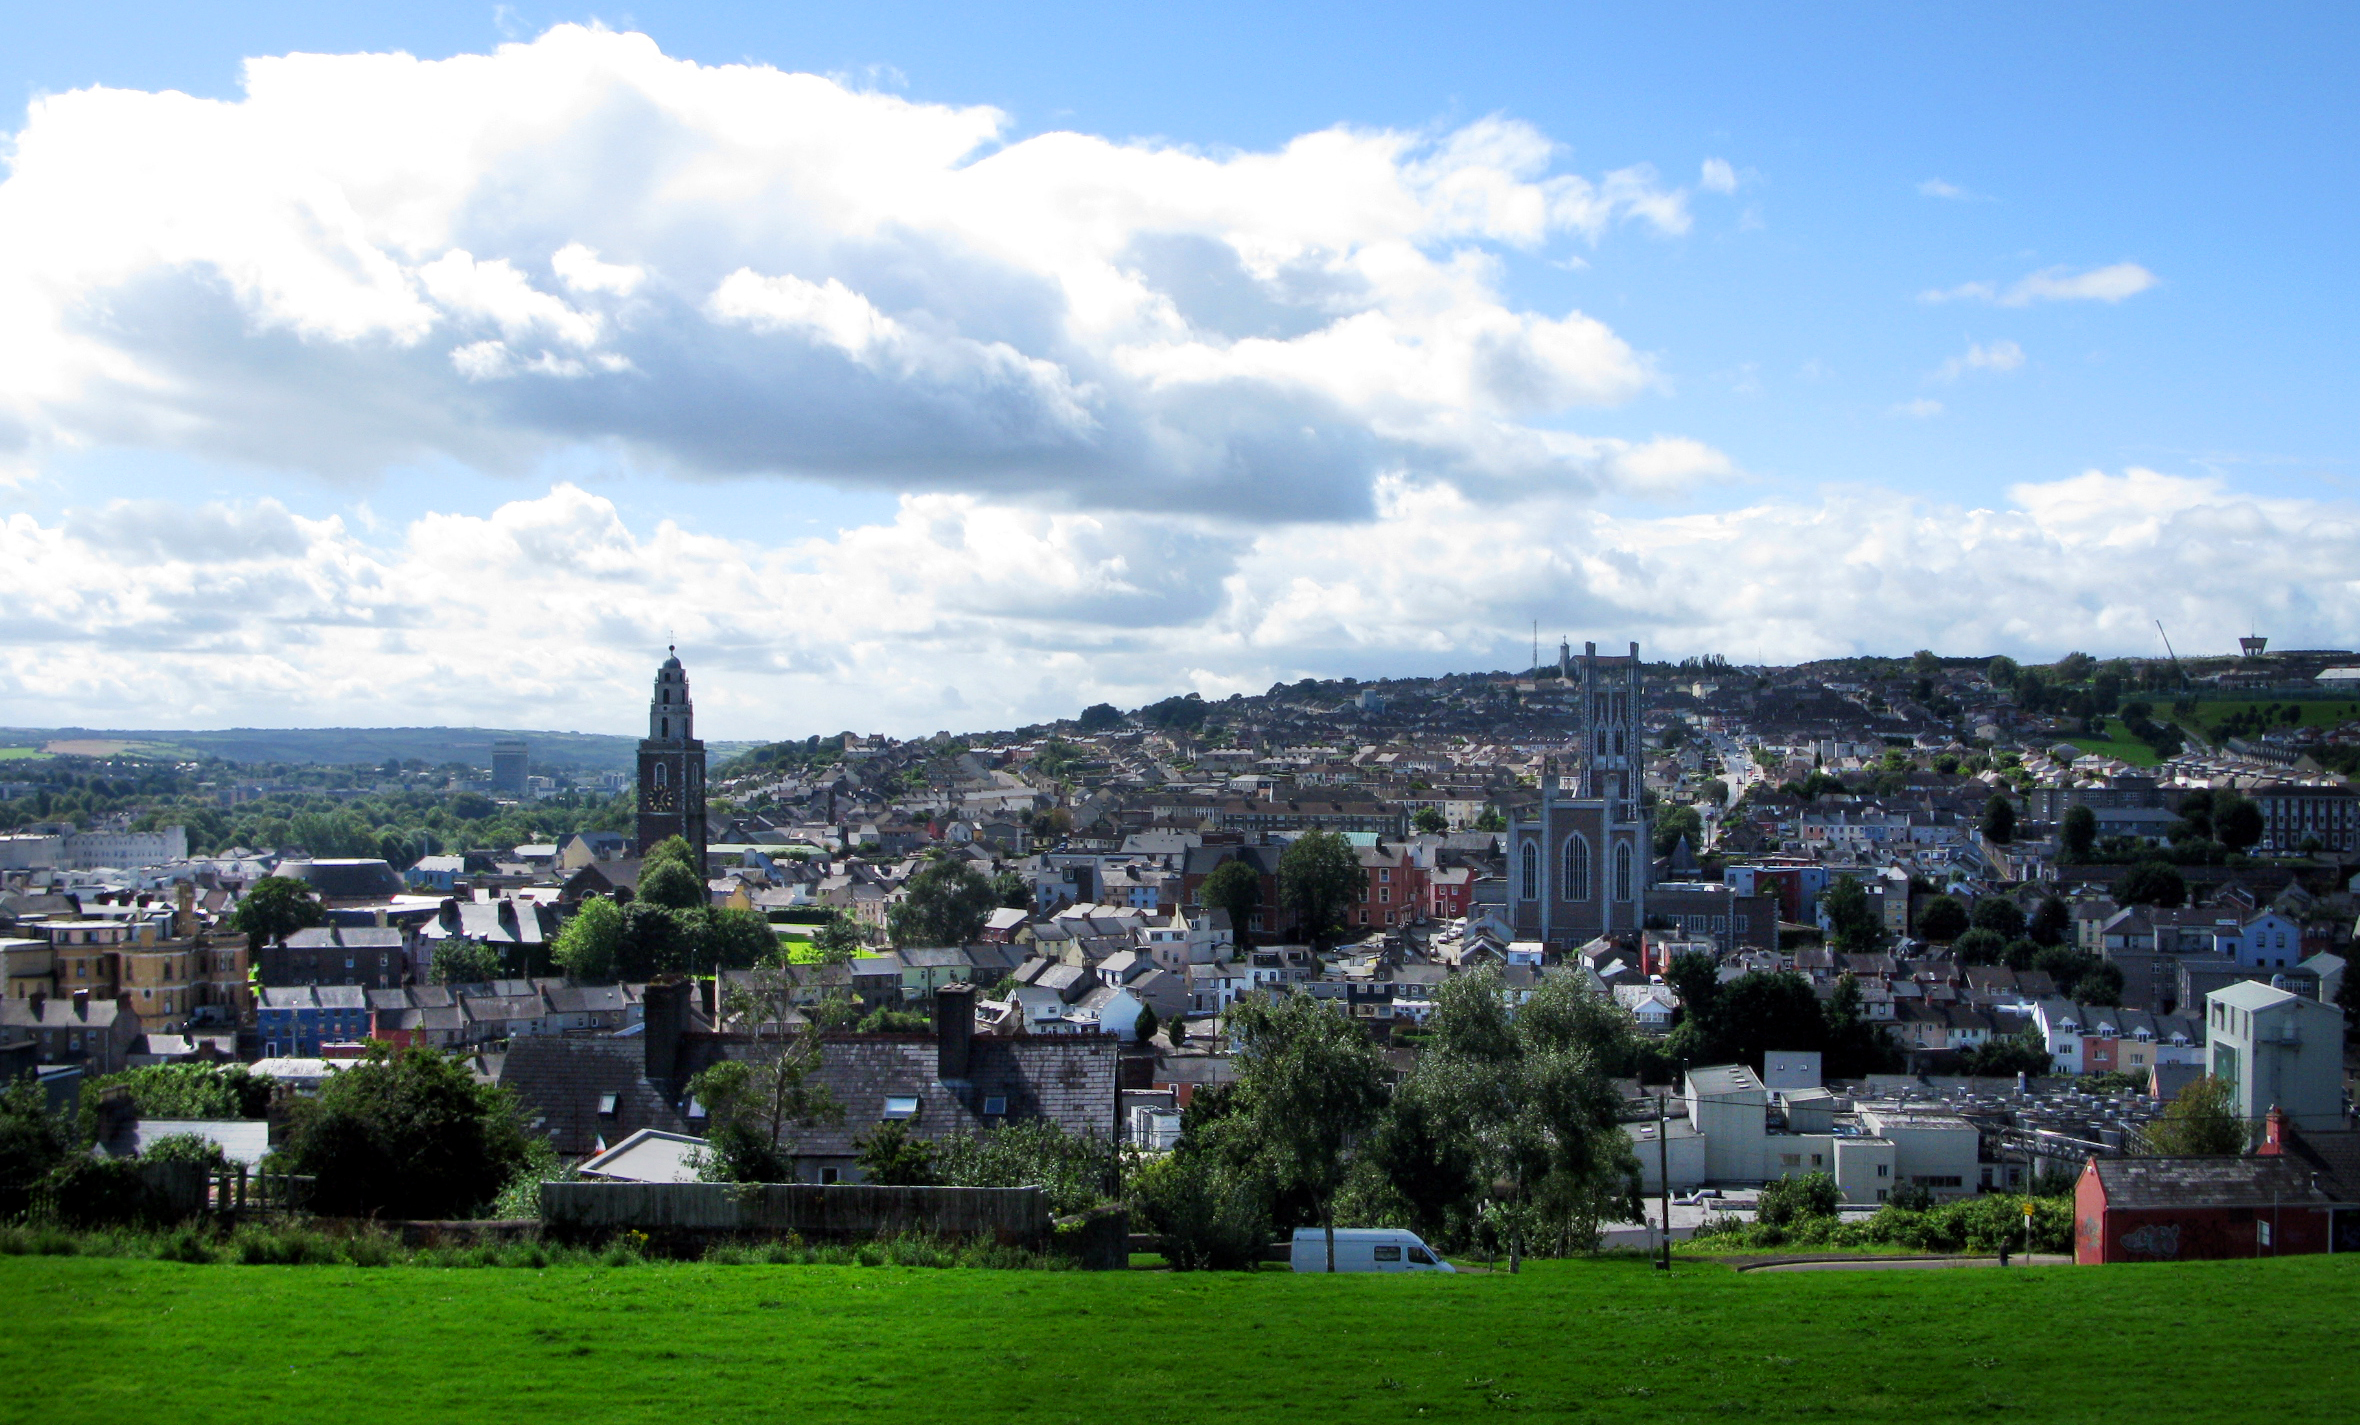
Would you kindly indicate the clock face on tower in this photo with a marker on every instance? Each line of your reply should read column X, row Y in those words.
column 659, row 798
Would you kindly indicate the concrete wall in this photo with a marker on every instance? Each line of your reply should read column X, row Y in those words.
column 1682, row 1153
column 1865, row 1168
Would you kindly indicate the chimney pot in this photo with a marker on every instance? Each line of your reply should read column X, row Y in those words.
column 954, row 1030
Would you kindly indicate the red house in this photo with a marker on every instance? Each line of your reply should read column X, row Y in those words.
column 2199, row 1209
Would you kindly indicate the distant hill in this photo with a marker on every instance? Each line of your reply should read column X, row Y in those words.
column 554, row 751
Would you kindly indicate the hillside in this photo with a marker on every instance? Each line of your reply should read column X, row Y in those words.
column 577, row 752
column 1587, row 1340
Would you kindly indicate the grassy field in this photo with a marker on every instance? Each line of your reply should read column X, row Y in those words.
column 1605, row 1340
column 2212, row 712
column 2117, row 742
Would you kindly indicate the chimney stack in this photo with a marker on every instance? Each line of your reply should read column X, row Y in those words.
column 81, row 1004
column 954, row 1030
column 665, row 1013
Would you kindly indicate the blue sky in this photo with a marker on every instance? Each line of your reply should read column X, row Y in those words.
column 1784, row 351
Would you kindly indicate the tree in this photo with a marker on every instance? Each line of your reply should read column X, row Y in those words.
column 2006, row 1055
column 187, row 1091
column 1696, row 978
column 838, row 940
column 1013, row 890
column 1942, row 919
column 1491, row 820
column 2002, row 672
column 2154, row 883
column 1924, row 664
column 1176, row 1033
column 889, row 1157
column 1236, row 887
column 1143, row 1029
column 752, row 1101
column 947, row 903
column 464, row 962
column 589, row 947
column 1758, row 1012
column 2081, row 833
column 1858, row 925
column 2200, row 1123
column 2051, row 922
column 1673, row 822
column 1311, row 1086
column 1999, row 915
column 33, row 1142
column 1426, row 821
column 406, row 1133
column 656, row 941
column 1100, row 717
column 1318, row 876
column 674, row 849
column 736, row 939
column 1999, row 820
column 274, row 908
column 1786, row 1201
column 1980, row 947
column 2237, row 821
column 670, row 884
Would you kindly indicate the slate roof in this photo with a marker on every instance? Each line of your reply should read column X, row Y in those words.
column 2137, row 1184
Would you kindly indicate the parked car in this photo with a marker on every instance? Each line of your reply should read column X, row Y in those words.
column 1365, row 1249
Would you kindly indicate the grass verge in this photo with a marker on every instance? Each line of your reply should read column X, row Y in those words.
column 1582, row 1340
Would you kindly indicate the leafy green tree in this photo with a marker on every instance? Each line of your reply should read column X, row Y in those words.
column 1427, row 821
column 188, row 1091
column 1942, row 919
column 670, row 884
column 655, row 941
column 2200, row 1123
column 1696, row 979
column 756, row 1098
column 889, row 1157
column 2002, row 672
column 33, row 1142
column 947, row 903
column 1078, row 1171
column 2021, row 954
column 736, row 939
column 1856, row 1044
column 1980, row 947
column 2051, row 922
column 1319, row 876
column 2237, row 821
column 406, row 1133
column 1014, row 892
column 1100, row 717
column 838, row 940
column 589, row 947
column 1787, row 1201
column 1212, row 1218
column 464, row 962
column 2080, row 832
column 1673, row 822
column 676, row 850
column 1491, row 820
column 1311, row 1085
column 2154, row 883
column 1999, row 820
column 1236, row 887
column 274, row 908
column 1999, row 915
column 1858, row 925
column 1924, row 664
column 2006, row 1055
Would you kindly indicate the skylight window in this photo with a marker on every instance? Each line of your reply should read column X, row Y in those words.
column 606, row 1105
column 901, row 1106
column 996, row 1106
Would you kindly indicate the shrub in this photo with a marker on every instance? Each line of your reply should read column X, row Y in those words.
column 185, row 1244
column 1790, row 1200
column 1210, row 1218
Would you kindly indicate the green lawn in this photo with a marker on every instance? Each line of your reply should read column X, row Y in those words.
column 11, row 754
column 2212, row 712
column 2117, row 742
column 122, row 1340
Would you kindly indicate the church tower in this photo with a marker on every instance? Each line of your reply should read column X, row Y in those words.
column 671, row 766
column 1578, row 862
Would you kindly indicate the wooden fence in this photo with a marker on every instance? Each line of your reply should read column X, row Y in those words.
column 850, row 1212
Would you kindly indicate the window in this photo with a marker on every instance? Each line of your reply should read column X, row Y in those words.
column 1393, row 1254
column 1577, row 868
column 659, row 774
column 1421, row 1257
column 1532, row 871
column 1817, row 1160
column 829, row 1177
column 606, row 1105
column 1790, row 1160
column 995, row 1106
column 901, row 1105
column 1622, row 870
column 1884, row 1170
column 1937, row 1180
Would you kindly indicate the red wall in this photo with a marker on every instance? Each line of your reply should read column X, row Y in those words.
column 2191, row 1234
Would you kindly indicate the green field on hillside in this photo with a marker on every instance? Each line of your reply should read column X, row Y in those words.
column 1583, row 1340
column 2117, row 743
column 2313, row 712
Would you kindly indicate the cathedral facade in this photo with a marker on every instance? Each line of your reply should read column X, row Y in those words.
column 671, row 766
column 1578, row 861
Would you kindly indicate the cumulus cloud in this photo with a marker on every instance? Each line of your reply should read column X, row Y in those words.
column 1923, row 408
column 2054, row 284
column 372, row 259
column 550, row 610
column 1718, row 176
column 1998, row 358
column 1940, row 188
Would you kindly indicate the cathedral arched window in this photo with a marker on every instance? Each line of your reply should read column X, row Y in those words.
column 1622, row 870
column 1532, row 871
column 1577, row 868
column 1618, row 742
column 659, row 774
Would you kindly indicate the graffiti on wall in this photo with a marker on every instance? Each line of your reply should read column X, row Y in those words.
column 2156, row 1239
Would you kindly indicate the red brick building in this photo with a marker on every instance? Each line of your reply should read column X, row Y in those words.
column 2201, row 1209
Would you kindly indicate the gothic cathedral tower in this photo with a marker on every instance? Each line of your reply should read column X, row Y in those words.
column 1578, row 861
column 671, row 766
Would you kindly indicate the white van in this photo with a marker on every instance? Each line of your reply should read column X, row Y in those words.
column 1365, row 1249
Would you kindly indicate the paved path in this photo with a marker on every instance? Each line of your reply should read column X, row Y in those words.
column 1896, row 1264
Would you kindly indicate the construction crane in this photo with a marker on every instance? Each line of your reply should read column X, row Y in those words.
column 2167, row 648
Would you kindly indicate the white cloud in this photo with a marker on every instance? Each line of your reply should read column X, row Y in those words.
column 1938, row 188
column 549, row 610
column 1718, row 176
column 2055, row 284
column 373, row 259
column 2000, row 358
column 1923, row 408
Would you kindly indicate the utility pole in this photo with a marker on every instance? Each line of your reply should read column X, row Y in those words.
column 1663, row 1181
